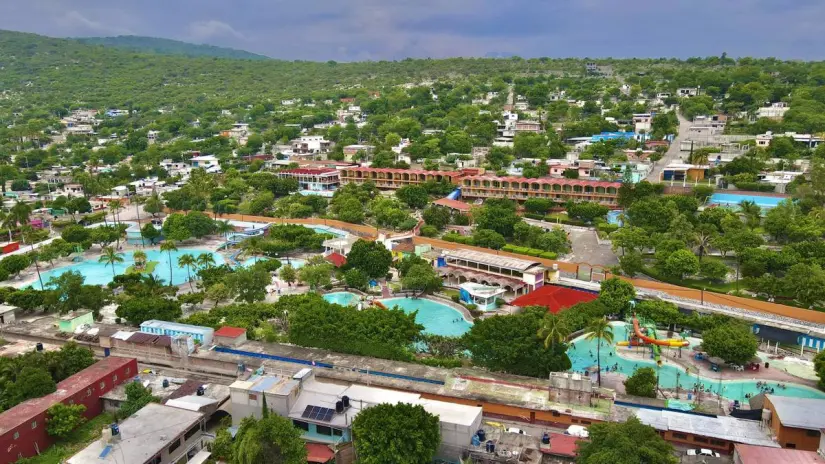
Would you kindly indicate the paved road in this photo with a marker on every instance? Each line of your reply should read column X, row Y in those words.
column 673, row 153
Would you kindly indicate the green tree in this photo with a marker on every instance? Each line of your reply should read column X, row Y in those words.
column 680, row 263
column 288, row 274
column 487, row 238
column 732, row 342
column 422, row 278
column 249, row 284
column 271, row 439
column 218, row 293
column 586, row 211
column 752, row 213
column 553, row 330
column 371, row 257
column 15, row 264
column 149, row 232
column 398, row 433
column 137, row 310
column 137, row 396
column 436, row 216
column 631, row 263
column 355, row 278
column 599, row 329
column 819, row 368
column 317, row 275
column 713, row 270
column 154, row 205
column 497, row 214
column 205, row 260
column 413, row 196
column 33, row 382
column 511, row 344
column 629, row 442
column 61, row 419
column 111, row 257
column 187, row 261
column 169, row 246
column 642, row 383
column 75, row 234
column 617, row 295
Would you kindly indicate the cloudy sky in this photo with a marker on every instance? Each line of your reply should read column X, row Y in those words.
column 348, row 30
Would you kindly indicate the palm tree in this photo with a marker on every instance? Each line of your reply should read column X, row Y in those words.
column 18, row 215
column 110, row 256
column 601, row 331
column 140, row 259
column 752, row 213
column 252, row 247
column 187, row 261
column 138, row 200
column 27, row 233
column 553, row 330
column 154, row 285
column 223, row 228
column 115, row 206
column 169, row 246
column 205, row 260
column 705, row 234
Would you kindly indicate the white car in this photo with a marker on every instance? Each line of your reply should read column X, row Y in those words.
column 703, row 452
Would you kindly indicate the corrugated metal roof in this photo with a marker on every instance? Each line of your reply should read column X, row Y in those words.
column 720, row 427
column 801, row 413
column 493, row 260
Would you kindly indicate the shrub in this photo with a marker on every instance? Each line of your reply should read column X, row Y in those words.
column 549, row 255
column 447, row 363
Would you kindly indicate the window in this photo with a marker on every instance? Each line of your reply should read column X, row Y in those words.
column 34, row 424
column 71, row 401
column 191, row 432
column 337, row 433
column 700, row 439
column 301, row 425
column 127, row 371
column 790, row 445
column 585, row 422
column 718, row 442
column 88, row 392
column 114, row 379
column 16, row 435
column 102, row 385
column 575, row 421
column 323, row 430
column 253, row 396
column 680, row 436
column 175, row 445
column 155, row 460
column 555, row 413
column 812, row 433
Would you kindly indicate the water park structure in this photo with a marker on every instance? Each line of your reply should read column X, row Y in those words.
column 646, row 336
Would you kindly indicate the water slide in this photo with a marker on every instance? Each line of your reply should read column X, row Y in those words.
column 455, row 194
column 640, row 338
column 237, row 237
column 378, row 304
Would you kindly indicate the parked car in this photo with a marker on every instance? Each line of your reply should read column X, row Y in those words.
column 703, row 452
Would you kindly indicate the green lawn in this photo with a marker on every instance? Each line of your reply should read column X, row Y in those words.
column 148, row 269
column 79, row 439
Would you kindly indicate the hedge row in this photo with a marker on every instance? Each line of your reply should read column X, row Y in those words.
column 535, row 252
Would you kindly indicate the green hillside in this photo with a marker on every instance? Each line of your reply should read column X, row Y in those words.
column 169, row 47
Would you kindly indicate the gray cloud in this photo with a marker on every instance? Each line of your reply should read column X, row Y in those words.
column 395, row 29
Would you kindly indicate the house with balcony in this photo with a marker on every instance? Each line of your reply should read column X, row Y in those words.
column 208, row 163
column 313, row 181
column 521, row 188
column 388, row 178
column 311, row 144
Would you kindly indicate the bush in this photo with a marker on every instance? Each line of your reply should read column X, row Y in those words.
column 642, row 383
column 607, row 227
column 549, row 255
column 429, row 231
column 447, row 363
column 455, row 298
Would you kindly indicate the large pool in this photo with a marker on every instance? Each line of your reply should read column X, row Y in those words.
column 97, row 273
column 613, row 217
column 342, row 298
column 437, row 318
column 733, row 199
column 581, row 359
column 328, row 230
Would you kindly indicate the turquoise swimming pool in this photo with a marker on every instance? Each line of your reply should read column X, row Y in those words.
column 733, row 200
column 342, row 298
column 582, row 359
column 96, row 273
column 296, row 263
column 328, row 230
column 437, row 318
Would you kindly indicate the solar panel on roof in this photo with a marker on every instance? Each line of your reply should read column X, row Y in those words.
column 318, row 413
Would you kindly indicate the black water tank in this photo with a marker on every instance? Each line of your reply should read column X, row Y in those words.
column 39, row 346
column 339, row 407
column 482, row 435
column 201, row 391
column 345, row 400
column 545, row 439
column 490, row 446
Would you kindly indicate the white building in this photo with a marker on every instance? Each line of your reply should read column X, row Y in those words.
column 642, row 122
column 810, row 140
column 175, row 168
column 776, row 111
column 688, row 92
column 313, row 144
column 325, row 411
column 152, row 136
column 208, row 162
column 156, row 434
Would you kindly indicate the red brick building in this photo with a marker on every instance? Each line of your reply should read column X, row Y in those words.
column 23, row 427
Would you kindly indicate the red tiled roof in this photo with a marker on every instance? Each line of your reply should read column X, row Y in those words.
column 314, row 171
column 30, row 409
column 337, row 259
column 453, row 204
column 562, row 445
column 547, row 180
column 407, row 171
column 319, row 453
column 751, row 454
column 554, row 298
column 229, row 332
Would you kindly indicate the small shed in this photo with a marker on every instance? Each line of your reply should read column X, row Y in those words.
column 70, row 322
column 229, row 336
column 7, row 314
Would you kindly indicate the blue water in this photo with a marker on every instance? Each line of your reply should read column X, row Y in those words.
column 732, row 389
column 733, row 199
column 437, row 318
column 342, row 298
column 96, row 273
column 296, row 263
column 328, row 230
column 613, row 217
column 251, row 261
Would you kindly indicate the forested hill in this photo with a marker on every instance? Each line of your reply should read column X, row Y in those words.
column 169, row 47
